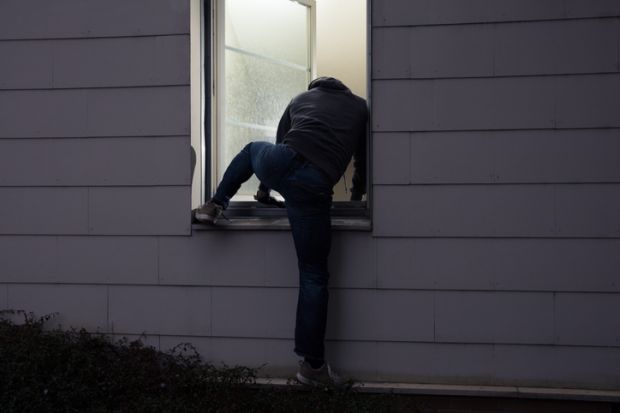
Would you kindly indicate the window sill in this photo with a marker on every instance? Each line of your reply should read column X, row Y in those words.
column 280, row 224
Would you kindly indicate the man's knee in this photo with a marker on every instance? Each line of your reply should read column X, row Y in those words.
column 247, row 148
column 314, row 273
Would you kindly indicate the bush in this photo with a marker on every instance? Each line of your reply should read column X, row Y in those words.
column 75, row 371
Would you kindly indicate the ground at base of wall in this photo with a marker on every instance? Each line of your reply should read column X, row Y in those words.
column 461, row 404
column 449, row 403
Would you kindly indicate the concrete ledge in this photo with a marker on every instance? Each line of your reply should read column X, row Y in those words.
column 279, row 224
column 612, row 396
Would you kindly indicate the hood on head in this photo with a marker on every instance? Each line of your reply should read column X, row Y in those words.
column 327, row 83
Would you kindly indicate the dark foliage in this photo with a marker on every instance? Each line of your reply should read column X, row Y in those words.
column 55, row 370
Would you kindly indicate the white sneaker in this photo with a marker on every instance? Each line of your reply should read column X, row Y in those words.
column 209, row 212
column 323, row 376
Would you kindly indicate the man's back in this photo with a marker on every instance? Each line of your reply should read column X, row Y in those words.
column 327, row 125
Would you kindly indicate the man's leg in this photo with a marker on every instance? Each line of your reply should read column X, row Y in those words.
column 312, row 237
column 308, row 200
column 268, row 161
column 239, row 171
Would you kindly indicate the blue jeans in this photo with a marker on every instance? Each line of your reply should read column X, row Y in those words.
column 307, row 192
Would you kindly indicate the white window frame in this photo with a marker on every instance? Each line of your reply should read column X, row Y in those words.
column 217, row 64
column 197, row 100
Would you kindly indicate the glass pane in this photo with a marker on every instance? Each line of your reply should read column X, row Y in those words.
column 257, row 91
column 265, row 66
column 274, row 28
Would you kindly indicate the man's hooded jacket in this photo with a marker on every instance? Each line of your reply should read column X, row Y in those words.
column 327, row 126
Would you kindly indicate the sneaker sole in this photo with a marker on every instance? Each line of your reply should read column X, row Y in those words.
column 307, row 381
column 208, row 219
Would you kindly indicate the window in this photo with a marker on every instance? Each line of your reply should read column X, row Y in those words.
column 256, row 56
column 263, row 58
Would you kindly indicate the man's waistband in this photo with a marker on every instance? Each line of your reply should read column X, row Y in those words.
column 298, row 157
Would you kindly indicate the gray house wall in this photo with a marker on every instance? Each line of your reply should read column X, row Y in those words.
column 94, row 119
column 495, row 251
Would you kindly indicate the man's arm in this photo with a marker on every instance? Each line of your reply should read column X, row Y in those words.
column 359, row 167
column 284, row 125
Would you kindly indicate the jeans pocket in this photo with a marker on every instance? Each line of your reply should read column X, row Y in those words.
column 312, row 181
column 309, row 189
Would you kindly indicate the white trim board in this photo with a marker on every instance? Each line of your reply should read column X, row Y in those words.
column 474, row 391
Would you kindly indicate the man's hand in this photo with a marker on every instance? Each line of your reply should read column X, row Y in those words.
column 356, row 196
column 264, row 198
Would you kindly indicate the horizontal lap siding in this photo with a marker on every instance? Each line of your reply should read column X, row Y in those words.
column 92, row 18
column 79, row 259
column 101, row 62
column 86, row 162
column 460, row 317
column 514, row 365
column 425, row 316
column 437, row 331
column 498, row 210
column 446, row 12
column 160, row 210
column 77, row 305
column 431, row 363
column 65, row 113
column 425, row 362
column 501, row 49
column 357, row 262
column 249, row 259
column 478, row 157
column 499, row 264
column 566, row 156
column 153, row 210
column 160, row 310
column 504, row 103
column 587, row 101
column 95, row 117
column 496, row 153
column 66, row 210
column 475, row 317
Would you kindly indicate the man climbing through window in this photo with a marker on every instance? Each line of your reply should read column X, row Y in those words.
column 318, row 134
